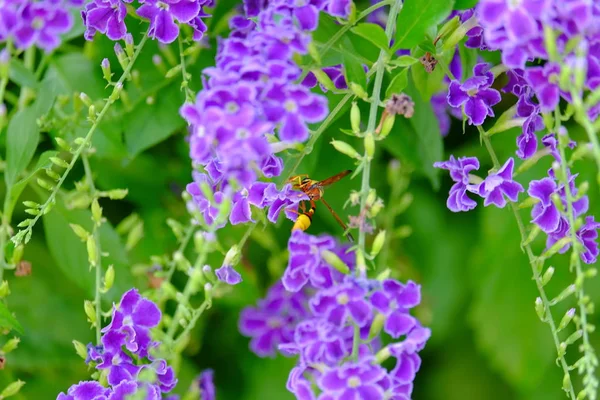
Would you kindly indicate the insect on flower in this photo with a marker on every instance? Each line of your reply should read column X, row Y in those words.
column 314, row 190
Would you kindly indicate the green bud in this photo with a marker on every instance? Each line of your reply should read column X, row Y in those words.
column 563, row 295
column 346, row 149
column 575, row 336
column 361, row 265
column 378, row 243
column 80, row 349
column 17, row 254
column 376, row 325
column 4, row 63
column 90, row 311
column 590, row 273
column 404, row 203
column 109, row 278
column 382, row 355
column 92, row 113
column 332, row 259
column 117, row 194
column 539, row 309
column 92, row 250
column 52, row 174
column 207, row 192
column 369, row 145
column 199, row 241
column 173, row 71
column 24, row 223
column 197, row 278
column 403, row 232
column 116, row 93
column 127, row 224
column 96, row 212
column 324, row 80
column 547, row 276
column 182, row 263
column 449, row 27
column 80, row 232
column 567, row 386
column 233, row 256
column 85, row 99
column 387, row 126
column 4, row 289
column 12, row 389
column 106, row 72
column 313, row 51
column 209, row 274
column 129, row 45
column 550, row 43
column 528, row 202
column 32, row 211
column 44, row 184
column 63, row 144
column 59, row 162
column 568, row 317
column 556, row 247
column 358, row 90
column 562, row 349
column 135, row 235
column 355, row 117
column 371, row 198
column 208, row 292
column 10, row 345
column 31, row 204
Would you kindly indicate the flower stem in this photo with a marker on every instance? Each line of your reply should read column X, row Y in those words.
column 26, row 233
column 375, row 100
column 535, row 268
column 189, row 95
column 590, row 359
column 582, row 117
column 98, row 260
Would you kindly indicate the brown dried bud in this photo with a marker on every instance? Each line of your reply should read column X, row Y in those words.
column 400, row 104
column 23, row 269
column 154, row 281
column 429, row 62
column 2, row 362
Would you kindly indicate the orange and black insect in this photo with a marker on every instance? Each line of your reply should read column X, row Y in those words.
column 314, row 190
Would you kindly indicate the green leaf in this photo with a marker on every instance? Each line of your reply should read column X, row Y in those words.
column 70, row 253
column 398, row 83
column 17, row 188
column 428, row 84
column 7, row 320
column 404, row 61
column 21, row 75
column 465, row 4
column 22, row 139
column 151, row 124
column 373, row 33
column 416, row 17
column 417, row 141
column 355, row 72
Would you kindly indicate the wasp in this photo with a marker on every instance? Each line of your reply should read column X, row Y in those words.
column 314, row 190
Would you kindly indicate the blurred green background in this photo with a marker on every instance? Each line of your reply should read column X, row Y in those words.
column 478, row 295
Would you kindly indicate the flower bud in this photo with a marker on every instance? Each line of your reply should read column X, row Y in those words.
column 129, row 45
column 382, row 355
column 80, row 232
column 566, row 319
column 92, row 113
column 358, row 90
column 116, row 93
column 10, row 345
column 547, row 276
column 384, row 275
column 208, row 292
column 550, row 43
column 563, row 295
column 135, row 235
column 106, row 72
column 355, row 117
column 590, row 273
column 539, row 309
column 361, row 265
column 121, row 56
column 17, row 254
column 324, row 79
column 376, row 325
column 59, row 162
column 575, row 336
column 80, row 349
column 378, row 243
column 346, row 149
column 233, row 256
column 109, row 278
column 369, row 145
column 387, row 126
column 567, row 385
column 4, row 63
column 96, row 212
column 92, row 250
column 90, row 311
column 117, row 194
column 371, row 198
column 209, row 274
column 4, row 289
column 332, row 259
column 12, row 389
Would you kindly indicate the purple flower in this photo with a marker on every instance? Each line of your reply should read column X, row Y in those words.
column 499, row 185
column 165, row 377
column 339, row 8
column 41, row 24
column 545, row 214
column 527, row 141
column 105, row 16
column 394, row 300
column 163, row 14
column 407, row 359
column 459, row 172
column 285, row 199
column 341, row 304
column 293, row 107
column 544, row 82
column 120, row 365
column 305, row 263
column 274, row 319
column 133, row 319
column 443, row 111
column 228, row 275
column 475, row 95
column 588, row 235
column 86, row 390
column 206, row 385
column 352, row 381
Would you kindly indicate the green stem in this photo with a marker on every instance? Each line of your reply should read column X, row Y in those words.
column 189, row 95
column 375, row 100
column 582, row 117
column 590, row 380
column 98, row 261
column 182, row 246
column 535, row 267
column 87, row 139
column 197, row 313
column 29, row 62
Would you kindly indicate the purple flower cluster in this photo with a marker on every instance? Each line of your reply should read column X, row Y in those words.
column 164, row 16
column 313, row 314
column 549, row 212
column 494, row 189
column 124, row 354
column 248, row 97
column 35, row 23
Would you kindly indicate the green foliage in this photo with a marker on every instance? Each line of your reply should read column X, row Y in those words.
column 416, row 18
